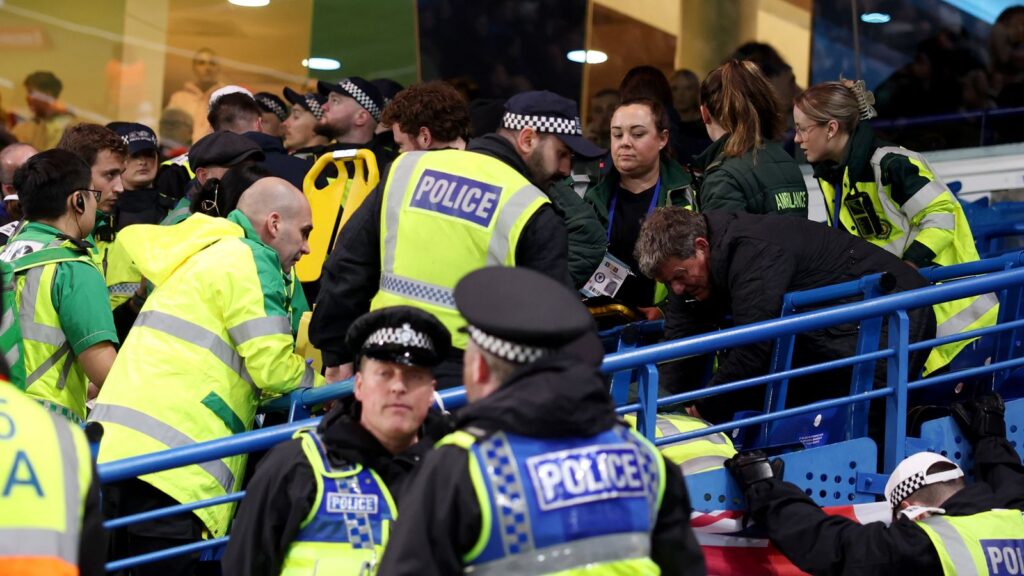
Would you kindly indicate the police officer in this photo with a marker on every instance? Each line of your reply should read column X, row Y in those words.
column 50, row 520
column 540, row 476
column 441, row 214
column 940, row 526
column 350, row 467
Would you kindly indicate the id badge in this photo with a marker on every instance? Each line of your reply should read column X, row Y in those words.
column 607, row 279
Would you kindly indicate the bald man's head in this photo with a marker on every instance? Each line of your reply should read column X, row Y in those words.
column 281, row 216
column 11, row 158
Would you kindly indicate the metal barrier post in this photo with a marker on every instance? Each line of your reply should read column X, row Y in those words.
column 646, row 422
column 896, row 403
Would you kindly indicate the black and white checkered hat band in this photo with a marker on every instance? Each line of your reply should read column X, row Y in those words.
column 906, row 488
column 364, row 100
column 548, row 124
column 508, row 351
column 273, row 106
column 400, row 336
column 314, row 107
column 919, row 480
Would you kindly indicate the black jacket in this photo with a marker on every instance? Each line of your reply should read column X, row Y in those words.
column 754, row 261
column 278, row 161
column 555, row 397
column 822, row 544
column 768, row 182
column 351, row 274
column 280, row 494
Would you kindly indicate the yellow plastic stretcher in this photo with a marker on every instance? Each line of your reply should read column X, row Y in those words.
column 332, row 206
column 342, row 195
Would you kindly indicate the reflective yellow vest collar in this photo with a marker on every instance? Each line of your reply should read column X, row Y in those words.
column 989, row 542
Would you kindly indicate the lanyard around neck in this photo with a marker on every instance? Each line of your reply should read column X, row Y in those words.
column 615, row 199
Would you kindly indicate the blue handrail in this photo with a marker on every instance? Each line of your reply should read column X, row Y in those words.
column 892, row 306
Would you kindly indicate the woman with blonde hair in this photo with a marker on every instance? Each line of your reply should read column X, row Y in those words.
column 745, row 169
column 889, row 196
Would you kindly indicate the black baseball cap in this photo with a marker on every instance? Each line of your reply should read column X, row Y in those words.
column 137, row 137
column 549, row 113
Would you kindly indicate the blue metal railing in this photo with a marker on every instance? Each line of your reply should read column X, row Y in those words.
column 643, row 360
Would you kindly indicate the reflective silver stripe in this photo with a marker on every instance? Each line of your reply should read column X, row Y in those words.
column 665, row 426
column 702, row 463
column 195, row 334
column 30, row 329
column 124, row 288
column 956, row 323
column 396, row 188
column 65, row 370
column 308, row 378
column 8, row 319
column 923, row 198
column 939, row 221
column 163, row 433
column 416, row 290
column 45, row 366
column 12, row 356
column 953, row 542
column 575, row 554
column 508, row 215
column 183, row 211
column 668, row 428
column 259, row 327
column 68, row 541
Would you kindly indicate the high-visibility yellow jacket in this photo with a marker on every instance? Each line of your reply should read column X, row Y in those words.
column 446, row 213
column 989, row 542
column 212, row 338
column 891, row 197
column 45, row 474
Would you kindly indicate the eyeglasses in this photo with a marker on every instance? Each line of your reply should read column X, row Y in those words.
column 803, row 132
column 95, row 193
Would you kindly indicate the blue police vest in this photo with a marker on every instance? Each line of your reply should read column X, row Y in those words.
column 559, row 504
column 347, row 527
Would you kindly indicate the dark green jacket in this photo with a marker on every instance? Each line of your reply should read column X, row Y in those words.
column 587, row 240
column 770, row 183
column 676, row 190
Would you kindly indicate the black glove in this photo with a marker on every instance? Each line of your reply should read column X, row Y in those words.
column 749, row 468
column 980, row 417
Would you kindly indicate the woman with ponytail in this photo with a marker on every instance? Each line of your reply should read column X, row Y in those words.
column 745, row 169
column 889, row 196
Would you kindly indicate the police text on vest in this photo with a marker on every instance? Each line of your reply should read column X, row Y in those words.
column 457, row 196
column 340, row 503
column 571, row 477
column 1004, row 556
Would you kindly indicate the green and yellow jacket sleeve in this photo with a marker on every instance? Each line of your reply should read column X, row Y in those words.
column 926, row 202
column 261, row 329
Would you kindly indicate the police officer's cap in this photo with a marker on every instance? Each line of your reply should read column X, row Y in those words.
column 268, row 102
column 359, row 89
column 520, row 316
column 223, row 149
column 400, row 334
column 311, row 102
column 549, row 113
